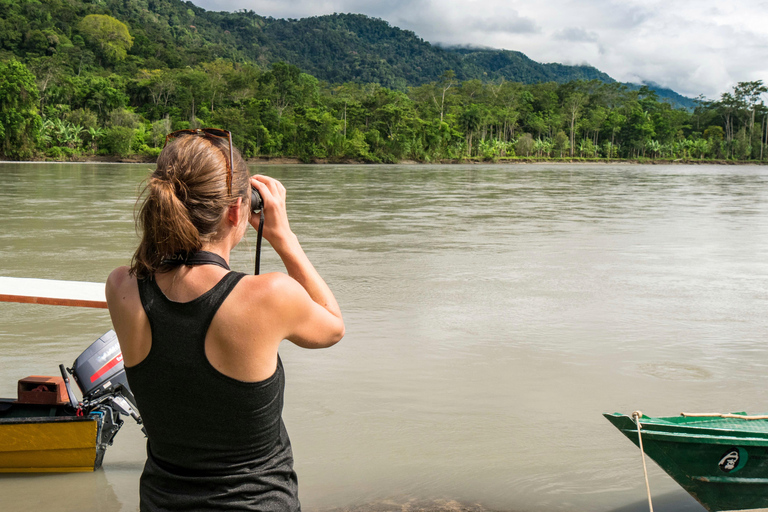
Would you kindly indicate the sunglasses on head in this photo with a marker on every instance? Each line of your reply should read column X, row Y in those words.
column 211, row 132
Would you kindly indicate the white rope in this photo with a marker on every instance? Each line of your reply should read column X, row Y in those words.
column 722, row 415
column 636, row 415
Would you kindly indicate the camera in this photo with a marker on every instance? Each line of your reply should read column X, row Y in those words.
column 256, row 202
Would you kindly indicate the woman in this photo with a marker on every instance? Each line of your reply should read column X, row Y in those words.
column 200, row 342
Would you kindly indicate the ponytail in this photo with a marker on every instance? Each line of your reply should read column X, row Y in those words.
column 185, row 200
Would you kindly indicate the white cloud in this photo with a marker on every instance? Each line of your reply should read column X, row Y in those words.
column 577, row 35
column 692, row 46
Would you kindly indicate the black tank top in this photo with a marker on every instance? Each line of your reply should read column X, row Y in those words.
column 214, row 442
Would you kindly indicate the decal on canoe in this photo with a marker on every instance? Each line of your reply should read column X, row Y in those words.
column 733, row 460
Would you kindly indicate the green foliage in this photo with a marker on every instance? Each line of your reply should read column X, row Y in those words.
column 19, row 121
column 54, row 153
column 352, row 47
column 83, row 117
column 118, row 141
column 356, row 147
column 333, row 87
column 111, row 36
column 560, row 144
column 123, row 117
column 742, row 147
column 714, row 133
column 524, row 145
column 63, row 134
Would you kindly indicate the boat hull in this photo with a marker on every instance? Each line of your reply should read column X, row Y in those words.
column 49, row 444
column 722, row 463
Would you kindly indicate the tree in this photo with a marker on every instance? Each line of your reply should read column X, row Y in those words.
column 524, row 144
column 191, row 88
column 749, row 93
column 728, row 106
column 470, row 120
column 217, row 72
column 639, row 129
column 447, row 81
column 713, row 134
column 560, row 143
column 111, row 36
column 47, row 71
column 572, row 106
column 280, row 85
column 20, row 123
column 159, row 84
column 614, row 123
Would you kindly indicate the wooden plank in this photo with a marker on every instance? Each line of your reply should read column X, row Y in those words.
column 52, row 292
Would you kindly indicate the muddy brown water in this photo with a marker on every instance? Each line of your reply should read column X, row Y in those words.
column 493, row 313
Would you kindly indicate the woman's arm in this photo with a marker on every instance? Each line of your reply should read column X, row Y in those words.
column 305, row 301
column 128, row 318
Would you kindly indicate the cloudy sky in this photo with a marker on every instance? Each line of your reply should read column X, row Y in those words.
column 692, row 46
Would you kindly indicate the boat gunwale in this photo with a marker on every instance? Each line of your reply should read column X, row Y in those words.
column 716, row 427
column 44, row 419
column 696, row 437
column 68, row 415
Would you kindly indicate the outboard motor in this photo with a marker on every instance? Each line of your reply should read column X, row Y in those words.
column 99, row 370
column 100, row 375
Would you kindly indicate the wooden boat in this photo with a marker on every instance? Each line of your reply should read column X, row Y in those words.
column 46, row 429
column 49, row 438
column 719, row 459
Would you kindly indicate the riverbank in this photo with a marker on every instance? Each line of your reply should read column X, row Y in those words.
column 283, row 160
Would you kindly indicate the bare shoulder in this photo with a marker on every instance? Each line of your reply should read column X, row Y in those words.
column 121, row 286
column 119, row 277
column 286, row 310
column 270, row 286
column 273, row 293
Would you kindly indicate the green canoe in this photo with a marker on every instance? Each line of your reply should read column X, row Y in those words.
column 721, row 460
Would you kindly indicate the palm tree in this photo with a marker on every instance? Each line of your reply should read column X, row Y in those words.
column 46, row 137
column 71, row 135
column 701, row 146
column 93, row 135
column 654, row 147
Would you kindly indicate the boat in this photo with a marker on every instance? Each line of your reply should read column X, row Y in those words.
column 52, row 292
column 719, row 459
column 46, row 429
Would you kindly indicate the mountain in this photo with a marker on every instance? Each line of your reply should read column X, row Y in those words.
column 357, row 48
column 675, row 99
column 354, row 47
column 517, row 67
column 335, row 48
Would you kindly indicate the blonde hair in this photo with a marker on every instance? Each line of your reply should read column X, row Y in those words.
column 185, row 199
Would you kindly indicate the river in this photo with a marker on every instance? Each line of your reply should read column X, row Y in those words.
column 493, row 313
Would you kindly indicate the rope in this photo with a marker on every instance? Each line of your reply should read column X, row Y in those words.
column 636, row 416
column 722, row 415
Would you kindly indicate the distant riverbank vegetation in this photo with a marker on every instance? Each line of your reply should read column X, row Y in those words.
column 76, row 84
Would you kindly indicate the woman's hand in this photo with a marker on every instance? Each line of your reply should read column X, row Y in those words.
column 277, row 230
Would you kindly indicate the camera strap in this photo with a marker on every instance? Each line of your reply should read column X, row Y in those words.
column 258, row 242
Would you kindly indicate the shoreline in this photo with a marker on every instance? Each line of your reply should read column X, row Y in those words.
column 283, row 160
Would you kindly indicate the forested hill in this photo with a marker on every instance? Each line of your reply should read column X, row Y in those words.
column 336, row 48
column 354, row 47
column 83, row 78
